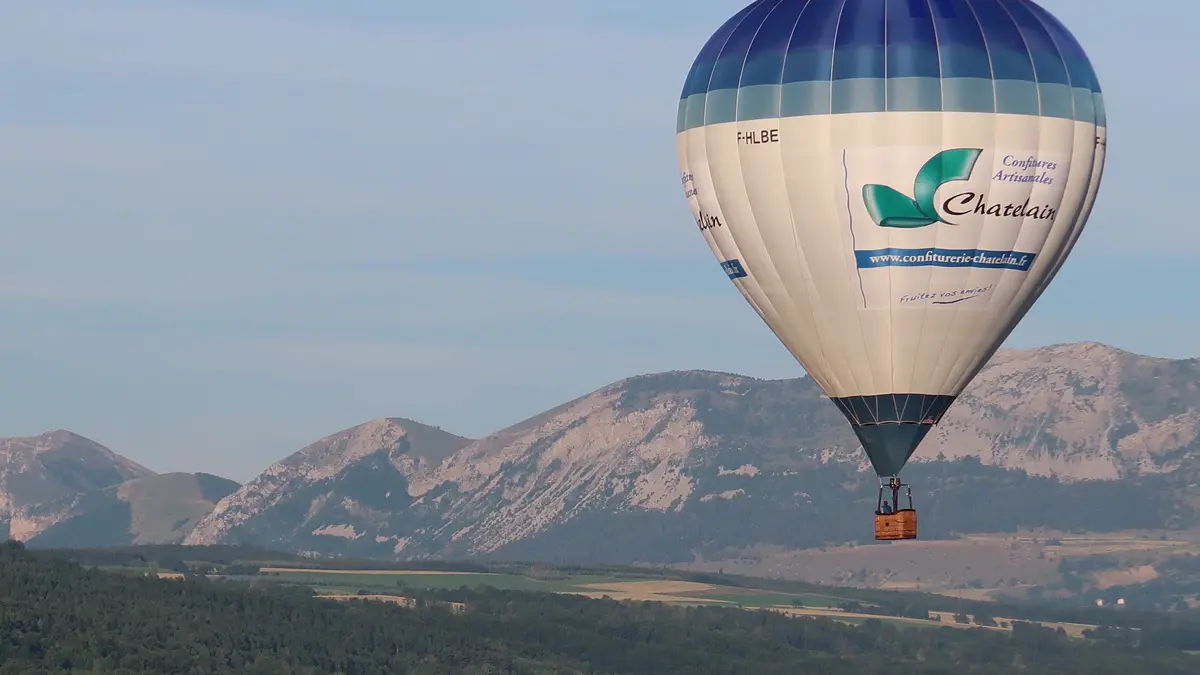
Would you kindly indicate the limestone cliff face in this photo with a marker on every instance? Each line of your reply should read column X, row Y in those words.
column 590, row 454
column 692, row 452
column 40, row 476
column 1077, row 411
column 349, row 490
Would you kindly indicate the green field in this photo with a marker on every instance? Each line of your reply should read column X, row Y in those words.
column 411, row 582
column 345, row 584
column 395, row 582
column 754, row 598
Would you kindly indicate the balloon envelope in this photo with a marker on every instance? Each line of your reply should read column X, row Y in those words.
column 891, row 184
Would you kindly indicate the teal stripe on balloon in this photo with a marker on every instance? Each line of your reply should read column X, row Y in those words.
column 911, row 94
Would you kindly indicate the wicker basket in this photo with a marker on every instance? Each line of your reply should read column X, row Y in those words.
column 899, row 525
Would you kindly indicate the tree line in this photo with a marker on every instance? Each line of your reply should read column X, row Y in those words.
column 57, row 616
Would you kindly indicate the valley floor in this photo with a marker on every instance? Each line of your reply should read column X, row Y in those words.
column 378, row 585
column 979, row 567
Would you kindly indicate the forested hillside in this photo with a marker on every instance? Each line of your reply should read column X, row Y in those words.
column 57, row 616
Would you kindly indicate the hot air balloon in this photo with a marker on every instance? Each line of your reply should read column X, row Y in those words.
column 891, row 185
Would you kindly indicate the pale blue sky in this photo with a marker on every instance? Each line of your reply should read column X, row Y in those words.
column 230, row 228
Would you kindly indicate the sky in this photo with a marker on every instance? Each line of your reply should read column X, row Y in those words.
column 228, row 229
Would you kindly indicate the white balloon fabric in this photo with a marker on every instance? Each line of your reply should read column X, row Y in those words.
column 891, row 184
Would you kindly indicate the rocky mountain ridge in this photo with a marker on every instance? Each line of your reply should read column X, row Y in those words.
column 59, row 487
column 50, row 469
column 665, row 467
column 374, row 458
column 674, row 465
column 1076, row 411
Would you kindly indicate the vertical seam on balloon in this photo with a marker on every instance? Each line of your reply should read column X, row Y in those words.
column 709, row 166
column 891, row 350
column 1074, row 114
column 814, row 291
column 1085, row 211
column 1005, row 330
column 850, row 215
column 928, row 403
column 987, row 49
column 716, row 59
column 767, row 302
column 741, row 170
column 937, row 50
column 788, row 47
column 1039, row 286
column 1029, row 53
column 830, row 373
column 1080, row 218
column 996, row 109
column 1043, row 16
column 740, row 16
column 737, row 102
column 1061, row 56
column 784, row 286
column 757, row 229
column 917, row 350
column 832, row 65
column 787, row 50
column 951, row 380
column 833, row 52
column 926, row 308
column 885, row 56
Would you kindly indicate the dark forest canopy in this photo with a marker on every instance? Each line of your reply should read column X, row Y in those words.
column 56, row 617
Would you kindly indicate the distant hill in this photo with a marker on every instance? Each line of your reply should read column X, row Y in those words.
column 159, row 509
column 61, row 488
column 39, row 473
column 672, row 467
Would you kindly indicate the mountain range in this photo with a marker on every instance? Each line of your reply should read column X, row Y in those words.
column 671, row 467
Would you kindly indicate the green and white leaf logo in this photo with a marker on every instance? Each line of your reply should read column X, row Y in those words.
column 891, row 208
